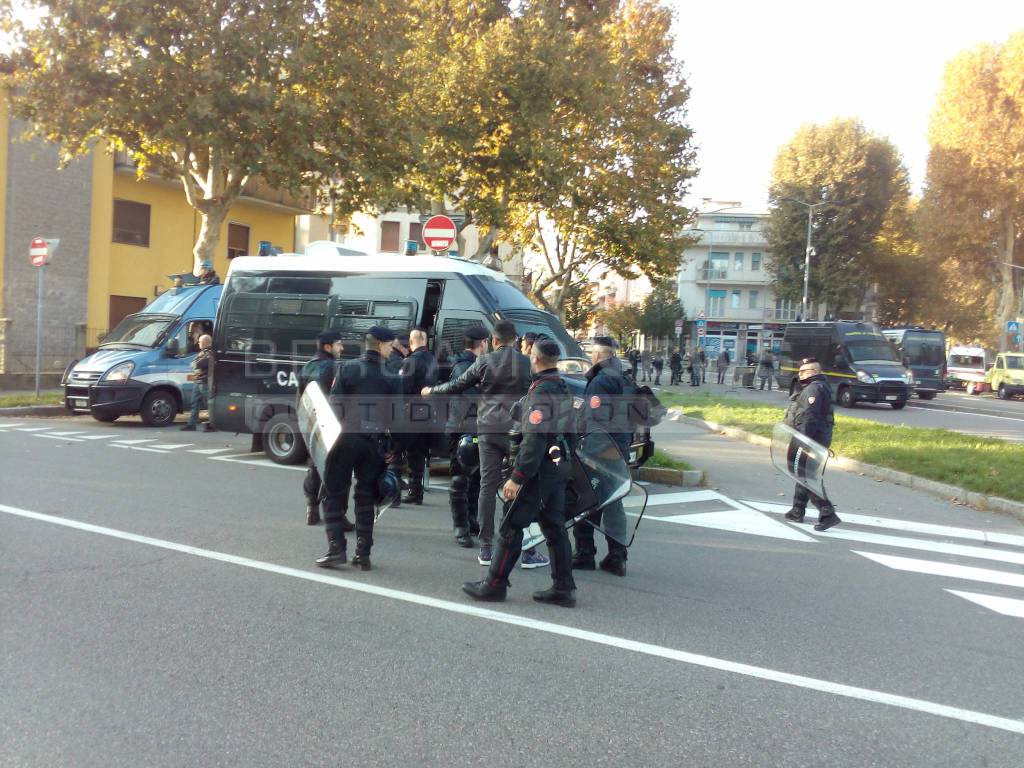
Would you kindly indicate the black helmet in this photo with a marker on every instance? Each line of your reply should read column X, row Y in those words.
column 468, row 453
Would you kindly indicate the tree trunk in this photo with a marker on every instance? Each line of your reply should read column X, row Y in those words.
column 212, row 218
column 1007, row 306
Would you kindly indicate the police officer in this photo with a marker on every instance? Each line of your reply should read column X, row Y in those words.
column 606, row 406
column 526, row 342
column 362, row 395
column 675, row 365
column 207, row 275
column 810, row 413
column 464, row 492
column 418, row 371
column 535, row 491
column 321, row 369
column 397, row 354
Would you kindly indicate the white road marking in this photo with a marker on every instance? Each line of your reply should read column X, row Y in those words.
column 96, row 437
column 551, row 628
column 138, row 448
column 135, row 442
column 256, row 462
column 951, row 570
column 683, row 497
column 1004, row 605
column 210, row 451
column 58, row 437
column 910, row 526
column 65, row 434
column 11, row 426
column 748, row 521
column 965, row 413
column 960, row 550
column 171, row 446
column 31, row 429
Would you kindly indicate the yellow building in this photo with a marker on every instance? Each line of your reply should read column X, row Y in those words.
column 120, row 237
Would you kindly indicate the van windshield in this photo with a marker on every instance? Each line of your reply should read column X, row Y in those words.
column 1015, row 363
column 967, row 361
column 924, row 349
column 142, row 330
column 535, row 321
column 872, row 351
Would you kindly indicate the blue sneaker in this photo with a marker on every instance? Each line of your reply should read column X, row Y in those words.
column 534, row 559
column 484, row 558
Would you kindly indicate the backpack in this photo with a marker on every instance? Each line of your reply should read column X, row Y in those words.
column 645, row 409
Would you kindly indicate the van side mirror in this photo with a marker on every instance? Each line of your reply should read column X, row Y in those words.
column 171, row 350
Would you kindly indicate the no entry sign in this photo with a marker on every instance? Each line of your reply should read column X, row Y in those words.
column 439, row 233
column 38, row 252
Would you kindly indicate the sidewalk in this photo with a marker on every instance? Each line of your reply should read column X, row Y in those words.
column 744, row 471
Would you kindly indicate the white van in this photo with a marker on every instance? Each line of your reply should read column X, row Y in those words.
column 966, row 367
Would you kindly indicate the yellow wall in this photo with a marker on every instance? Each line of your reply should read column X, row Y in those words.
column 129, row 270
column 3, row 191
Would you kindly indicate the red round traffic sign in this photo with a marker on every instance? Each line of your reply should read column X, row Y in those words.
column 439, row 233
column 39, row 252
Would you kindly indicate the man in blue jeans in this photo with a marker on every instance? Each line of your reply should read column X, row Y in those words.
column 201, row 383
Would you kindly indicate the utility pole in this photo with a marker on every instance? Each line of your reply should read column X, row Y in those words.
column 811, row 208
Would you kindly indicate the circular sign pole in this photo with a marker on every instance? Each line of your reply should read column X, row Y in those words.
column 39, row 252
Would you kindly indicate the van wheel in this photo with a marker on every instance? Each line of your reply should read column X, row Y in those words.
column 898, row 406
column 926, row 395
column 105, row 418
column 1001, row 393
column 846, row 398
column 159, row 409
column 281, row 440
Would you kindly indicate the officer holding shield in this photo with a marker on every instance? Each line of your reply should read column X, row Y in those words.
column 464, row 492
column 810, row 413
column 363, row 396
column 536, row 489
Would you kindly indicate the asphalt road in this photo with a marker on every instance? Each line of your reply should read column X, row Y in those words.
column 983, row 415
column 158, row 606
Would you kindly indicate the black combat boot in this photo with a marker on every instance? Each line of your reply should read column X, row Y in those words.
column 345, row 523
column 584, row 557
column 312, row 514
column 485, row 591
column 827, row 517
column 361, row 559
column 615, row 562
column 796, row 515
column 335, row 552
column 415, row 493
column 556, row 596
column 463, row 537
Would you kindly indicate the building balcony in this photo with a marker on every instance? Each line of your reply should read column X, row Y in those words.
column 782, row 315
column 713, row 274
column 735, row 315
column 741, row 277
column 714, row 237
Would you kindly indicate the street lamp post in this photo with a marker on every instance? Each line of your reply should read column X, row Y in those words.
column 811, row 208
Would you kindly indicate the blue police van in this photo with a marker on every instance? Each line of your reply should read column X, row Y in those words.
column 144, row 364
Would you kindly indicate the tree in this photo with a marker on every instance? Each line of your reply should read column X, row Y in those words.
column 863, row 176
column 974, row 198
column 215, row 92
column 661, row 309
column 621, row 321
column 579, row 305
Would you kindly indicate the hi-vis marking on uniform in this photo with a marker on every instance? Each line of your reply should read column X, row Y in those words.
column 551, row 628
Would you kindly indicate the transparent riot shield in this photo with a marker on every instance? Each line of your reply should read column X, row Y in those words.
column 318, row 425
column 800, row 458
column 601, row 479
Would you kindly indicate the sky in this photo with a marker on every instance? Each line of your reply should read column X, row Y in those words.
column 760, row 69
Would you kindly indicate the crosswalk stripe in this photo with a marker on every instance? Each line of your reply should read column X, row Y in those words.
column 135, row 442
column 171, row 446
column 951, row 570
column 59, row 437
column 1004, row 605
column 11, row 426
column 31, row 429
column 65, row 434
column 138, row 448
column 683, row 497
column 902, row 542
column 209, row 451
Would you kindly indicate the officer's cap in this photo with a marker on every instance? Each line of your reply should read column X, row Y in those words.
column 476, row 333
column 606, row 341
column 548, row 348
column 529, row 336
column 403, row 339
column 809, row 361
column 328, row 337
column 380, row 333
column 206, row 264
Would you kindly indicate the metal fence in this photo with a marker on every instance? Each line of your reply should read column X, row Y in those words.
column 61, row 344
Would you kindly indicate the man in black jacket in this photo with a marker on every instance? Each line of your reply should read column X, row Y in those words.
column 418, row 371
column 536, row 489
column 464, row 491
column 810, row 413
column 606, row 406
column 363, row 394
column 502, row 376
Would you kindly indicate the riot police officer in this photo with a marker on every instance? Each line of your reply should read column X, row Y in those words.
column 464, row 492
column 363, row 395
column 535, row 491
column 321, row 369
column 810, row 413
column 606, row 406
column 418, row 371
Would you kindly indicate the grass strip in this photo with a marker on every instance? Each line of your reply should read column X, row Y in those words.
column 662, row 460
column 983, row 464
column 20, row 401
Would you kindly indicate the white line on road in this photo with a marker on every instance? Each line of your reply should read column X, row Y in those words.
column 902, row 542
column 31, row 429
column 953, row 571
column 255, row 462
column 1004, row 605
column 58, row 437
column 965, row 413
column 683, row 497
column 96, row 437
column 65, row 434
column 138, row 448
column 135, row 442
column 11, row 426
column 649, row 649
column 171, row 446
column 210, row 451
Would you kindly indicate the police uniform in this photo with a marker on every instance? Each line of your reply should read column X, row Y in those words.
column 810, row 413
column 464, row 491
column 606, row 406
column 320, row 369
column 419, row 370
column 546, row 417
column 362, row 395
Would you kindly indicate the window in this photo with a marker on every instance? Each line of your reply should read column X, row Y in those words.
column 753, row 300
column 389, row 236
column 736, row 295
column 738, row 262
column 718, row 266
column 755, row 262
column 131, row 223
column 716, row 303
column 785, row 309
column 416, row 233
column 238, row 240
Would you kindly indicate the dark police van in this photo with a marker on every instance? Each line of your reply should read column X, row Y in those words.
column 923, row 351
column 273, row 307
column 861, row 364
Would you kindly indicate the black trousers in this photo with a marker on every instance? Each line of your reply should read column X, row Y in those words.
column 464, row 492
column 312, row 484
column 416, row 450
column 801, row 496
column 358, row 454
column 657, row 375
column 541, row 499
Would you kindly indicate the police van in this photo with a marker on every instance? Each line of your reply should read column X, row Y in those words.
column 923, row 352
column 273, row 308
column 861, row 364
column 144, row 364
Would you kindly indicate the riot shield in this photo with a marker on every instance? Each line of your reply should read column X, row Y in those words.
column 318, row 425
column 800, row 458
column 600, row 478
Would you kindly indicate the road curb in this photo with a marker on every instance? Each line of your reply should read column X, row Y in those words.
column 688, row 478
column 35, row 410
column 942, row 490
